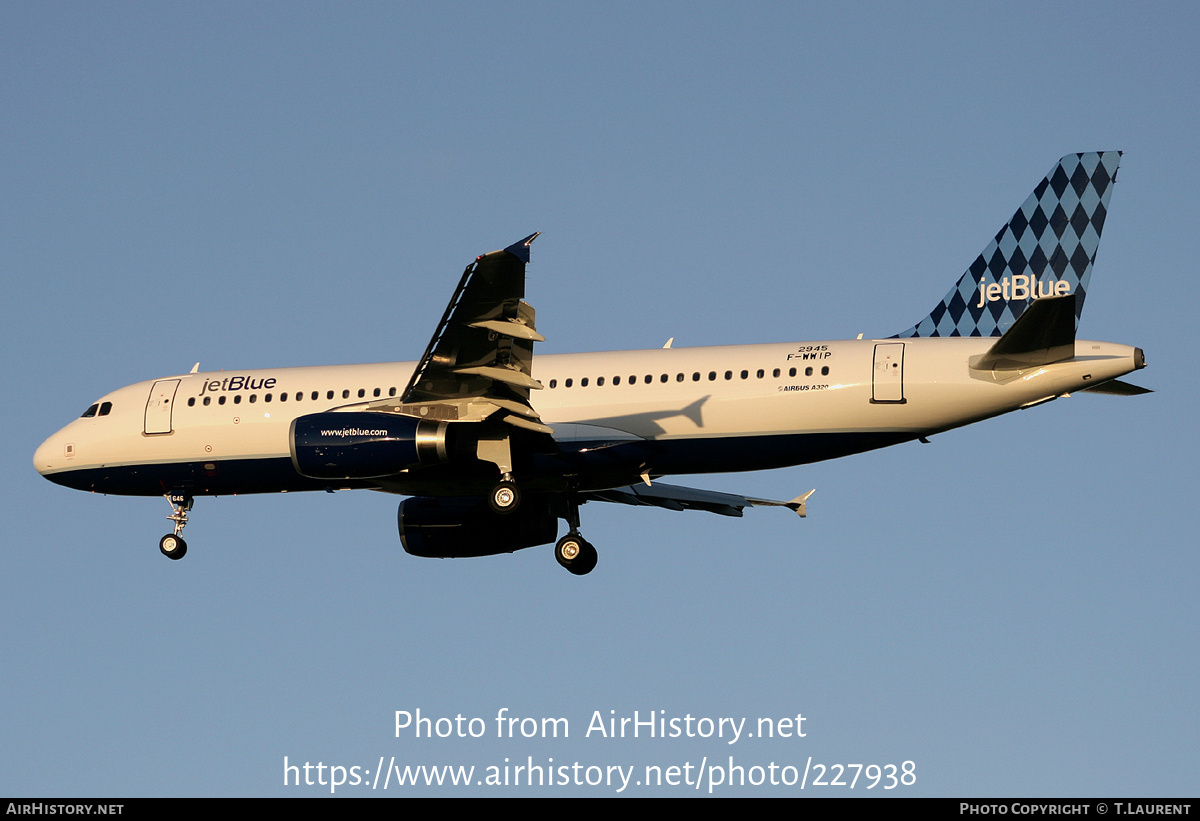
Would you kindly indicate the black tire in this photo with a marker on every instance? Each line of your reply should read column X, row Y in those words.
column 568, row 549
column 505, row 498
column 575, row 554
column 172, row 546
column 587, row 560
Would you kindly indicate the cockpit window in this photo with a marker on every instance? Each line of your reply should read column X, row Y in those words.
column 90, row 411
column 105, row 408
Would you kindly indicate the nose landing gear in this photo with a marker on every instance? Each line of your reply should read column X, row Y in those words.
column 172, row 545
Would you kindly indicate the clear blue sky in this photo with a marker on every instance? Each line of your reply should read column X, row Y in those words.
column 1012, row 607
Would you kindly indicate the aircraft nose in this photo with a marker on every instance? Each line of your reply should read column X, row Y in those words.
column 51, row 455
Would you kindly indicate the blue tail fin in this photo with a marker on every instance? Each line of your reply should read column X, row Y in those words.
column 1046, row 249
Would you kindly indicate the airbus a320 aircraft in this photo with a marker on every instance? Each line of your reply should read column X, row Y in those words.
column 494, row 447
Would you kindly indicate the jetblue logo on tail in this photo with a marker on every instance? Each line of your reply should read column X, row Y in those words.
column 1046, row 249
column 1020, row 287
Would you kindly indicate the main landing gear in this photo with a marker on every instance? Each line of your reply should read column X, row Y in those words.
column 172, row 545
column 574, row 552
column 506, row 496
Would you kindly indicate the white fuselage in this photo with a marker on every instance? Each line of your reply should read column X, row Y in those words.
column 695, row 409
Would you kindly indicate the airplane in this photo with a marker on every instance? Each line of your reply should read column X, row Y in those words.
column 493, row 448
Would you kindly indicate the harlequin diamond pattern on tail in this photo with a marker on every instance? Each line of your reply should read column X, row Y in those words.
column 1046, row 249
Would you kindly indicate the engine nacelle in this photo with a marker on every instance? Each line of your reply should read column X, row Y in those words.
column 460, row 526
column 365, row 445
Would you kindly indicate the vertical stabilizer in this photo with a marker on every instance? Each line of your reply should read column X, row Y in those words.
column 1046, row 249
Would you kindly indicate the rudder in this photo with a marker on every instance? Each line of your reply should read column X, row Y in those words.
column 1046, row 249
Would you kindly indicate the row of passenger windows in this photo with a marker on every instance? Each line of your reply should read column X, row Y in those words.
column 600, row 381
column 283, row 397
column 696, row 377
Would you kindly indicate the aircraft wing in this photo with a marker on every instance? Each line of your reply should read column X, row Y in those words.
column 673, row 497
column 480, row 358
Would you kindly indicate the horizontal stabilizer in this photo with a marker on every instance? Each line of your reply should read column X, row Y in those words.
column 1116, row 387
column 1043, row 334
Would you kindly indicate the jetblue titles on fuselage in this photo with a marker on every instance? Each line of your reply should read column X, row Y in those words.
column 237, row 383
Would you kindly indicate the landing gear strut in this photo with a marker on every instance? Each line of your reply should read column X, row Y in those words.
column 172, row 545
column 574, row 552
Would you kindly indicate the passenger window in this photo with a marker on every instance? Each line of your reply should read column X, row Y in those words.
column 207, row 400
column 267, row 398
column 649, row 378
column 221, row 399
column 362, row 392
column 696, row 376
column 378, row 391
column 599, row 381
column 237, row 399
column 346, row 394
column 761, row 373
column 776, row 373
column 391, row 391
column 729, row 375
column 678, row 377
column 662, row 378
column 553, row 383
column 808, row 371
column 745, row 374
column 712, row 376
column 583, row 382
column 791, row 371
column 283, row 396
column 191, row 401
column 616, row 380
column 253, row 398
column 825, row 371
column 568, row 383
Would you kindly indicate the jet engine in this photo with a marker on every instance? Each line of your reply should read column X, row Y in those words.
column 365, row 445
column 454, row 527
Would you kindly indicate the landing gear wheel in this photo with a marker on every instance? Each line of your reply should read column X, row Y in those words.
column 505, row 497
column 172, row 546
column 575, row 554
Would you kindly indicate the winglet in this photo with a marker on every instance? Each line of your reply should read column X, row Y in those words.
column 520, row 250
column 799, row 504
